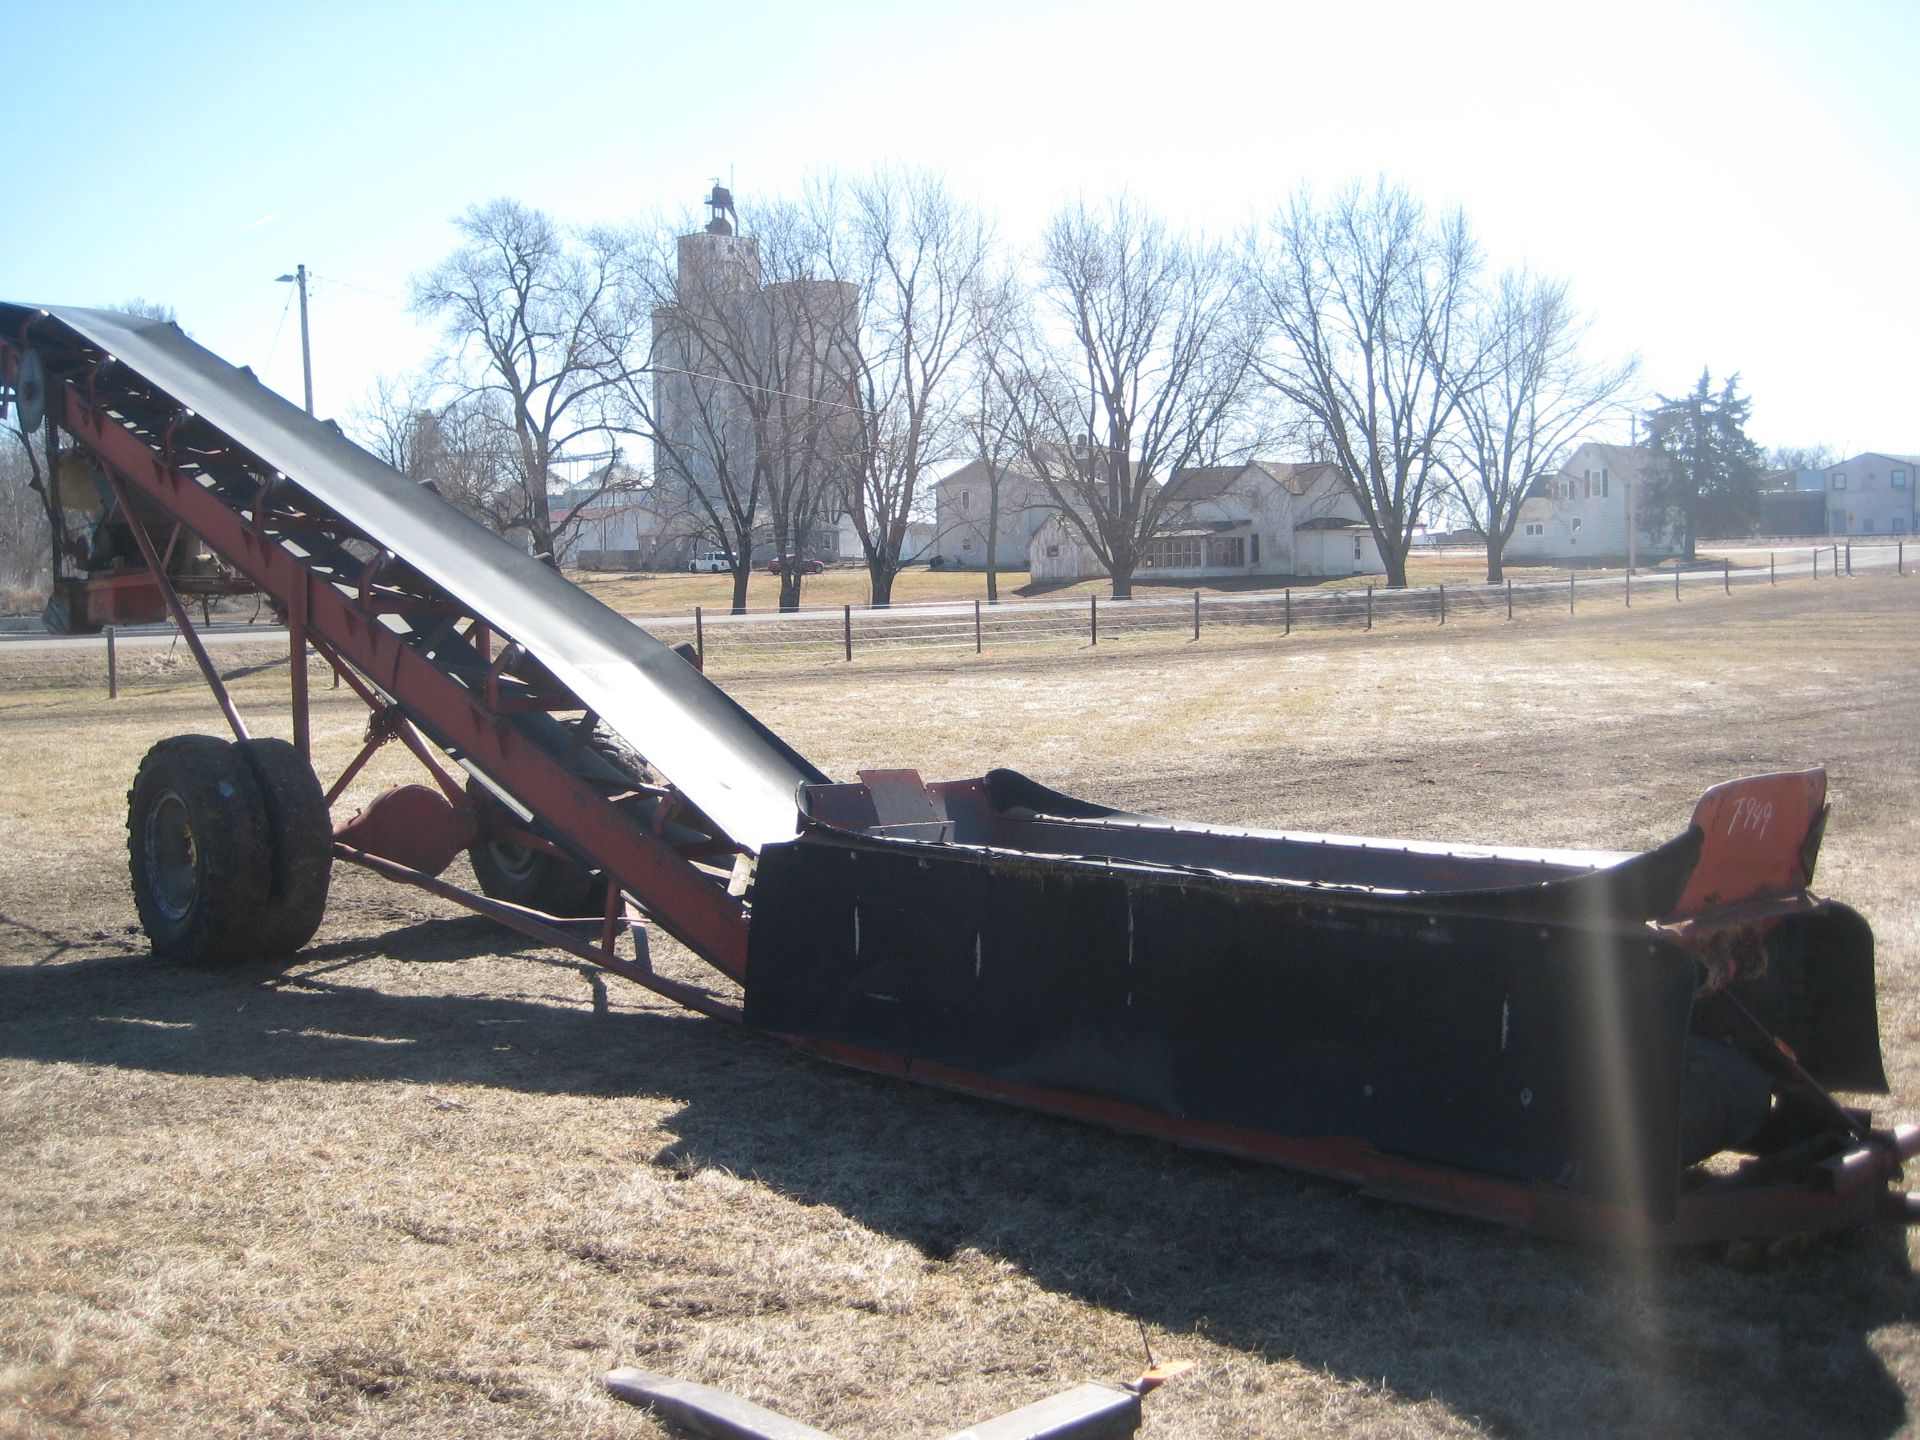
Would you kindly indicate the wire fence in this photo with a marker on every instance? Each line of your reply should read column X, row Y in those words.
column 974, row 627
column 979, row 628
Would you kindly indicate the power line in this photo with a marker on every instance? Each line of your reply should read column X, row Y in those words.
column 273, row 348
column 744, row 385
column 363, row 289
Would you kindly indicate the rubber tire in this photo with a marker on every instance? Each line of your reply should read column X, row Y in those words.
column 521, row 876
column 199, row 900
column 301, row 845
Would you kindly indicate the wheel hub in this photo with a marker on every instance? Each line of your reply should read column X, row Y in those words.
column 172, row 856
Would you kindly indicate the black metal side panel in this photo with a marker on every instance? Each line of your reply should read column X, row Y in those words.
column 734, row 768
column 1524, row 1049
column 1816, row 992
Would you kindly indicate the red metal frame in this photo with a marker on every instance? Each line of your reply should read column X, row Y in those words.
column 1857, row 1192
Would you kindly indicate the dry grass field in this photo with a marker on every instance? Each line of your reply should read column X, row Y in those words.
column 429, row 1181
column 672, row 593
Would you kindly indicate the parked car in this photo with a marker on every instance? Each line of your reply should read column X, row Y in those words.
column 805, row 564
column 712, row 563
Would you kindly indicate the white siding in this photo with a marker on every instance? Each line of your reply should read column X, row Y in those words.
column 1584, row 517
column 1872, row 494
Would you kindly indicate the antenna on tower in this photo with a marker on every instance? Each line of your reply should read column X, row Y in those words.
column 725, row 219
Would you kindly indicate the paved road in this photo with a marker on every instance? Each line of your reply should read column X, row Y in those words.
column 144, row 636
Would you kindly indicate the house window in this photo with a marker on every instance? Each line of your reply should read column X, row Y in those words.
column 966, row 544
column 1227, row 552
column 1576, row 524
column 1255, row 559
column 1534, row 527
column 1356, row 549
column 1179, row 553
column 1866, row 526
column 1899, row 480
column 1603, row 485
column 1840, row 480
column 1053, row 552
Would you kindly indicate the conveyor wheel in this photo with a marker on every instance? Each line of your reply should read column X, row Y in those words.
column 521, row 875
column 199, row 851
column 301, row 845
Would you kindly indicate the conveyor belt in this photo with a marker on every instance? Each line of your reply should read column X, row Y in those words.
column 733, row 767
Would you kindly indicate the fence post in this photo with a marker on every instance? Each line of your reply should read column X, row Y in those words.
column 1369, row 607
column 113, row 666
column 1628, row 577
column 1900, row 557
column 976, row 627
column 1726, row 576
column 1676, row 581
column 1772, row 577
column 1836, row 560
column 1509, row 597
column 1569, row 592
column 846, row 622
column 1443, row 602
column 1196, row 614
column 700, row 637
column 1289, row 629
column 1816, row 562
column 1849, row 557
column 1093, row 618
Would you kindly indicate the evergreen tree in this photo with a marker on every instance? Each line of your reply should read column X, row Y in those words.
column 1704, row 466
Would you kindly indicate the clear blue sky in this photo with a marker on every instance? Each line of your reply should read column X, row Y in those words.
column 1725, row 184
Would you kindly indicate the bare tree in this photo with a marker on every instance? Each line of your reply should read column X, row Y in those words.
column 704, row 465
column 991, row 425
column 465, row 447
column 1523, row 392
column 540, row 334
column 1801, row 457
column 753, row 402
column 1368, row 300
column 1138, row 365
column 26, row 554
column 918, row 256
column 148, row 310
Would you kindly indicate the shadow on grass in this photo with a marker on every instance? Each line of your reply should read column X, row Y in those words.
column 1525, row 1338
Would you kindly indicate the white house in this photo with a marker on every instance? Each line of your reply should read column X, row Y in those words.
column 1872, row 494
column 961, row 504
column 1580, row 515
column 1260, row 518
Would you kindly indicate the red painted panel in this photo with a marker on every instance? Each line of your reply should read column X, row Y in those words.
column 1756, row 833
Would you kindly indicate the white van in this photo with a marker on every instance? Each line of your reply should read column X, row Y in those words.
column 713, row 562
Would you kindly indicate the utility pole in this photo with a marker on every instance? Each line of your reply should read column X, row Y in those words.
column 299, row 277
column 1633, row 471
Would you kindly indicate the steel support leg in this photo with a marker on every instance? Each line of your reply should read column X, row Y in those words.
column 176, row 608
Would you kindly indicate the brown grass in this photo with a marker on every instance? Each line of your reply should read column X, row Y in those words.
column 674, row 593
column 427, row 1181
